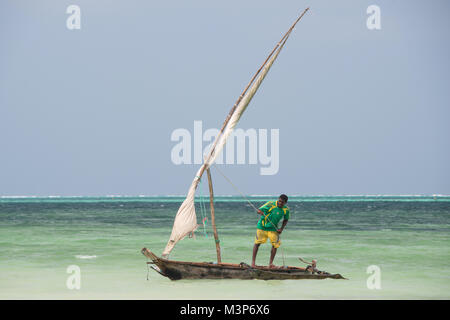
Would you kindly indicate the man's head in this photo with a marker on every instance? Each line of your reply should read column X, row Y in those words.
column 314, row 263
column 282, row 200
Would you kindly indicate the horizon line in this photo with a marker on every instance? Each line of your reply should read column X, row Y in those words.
column 224, row 195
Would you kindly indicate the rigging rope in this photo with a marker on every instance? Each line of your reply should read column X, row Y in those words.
column 237, row 189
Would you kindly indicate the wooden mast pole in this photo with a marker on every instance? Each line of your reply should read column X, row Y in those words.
column 213, row 219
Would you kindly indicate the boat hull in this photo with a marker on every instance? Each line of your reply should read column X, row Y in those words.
column 177, row 270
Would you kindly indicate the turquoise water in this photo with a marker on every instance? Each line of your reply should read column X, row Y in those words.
column 407, row 237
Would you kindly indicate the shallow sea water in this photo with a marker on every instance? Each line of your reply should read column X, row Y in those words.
column 406, row 237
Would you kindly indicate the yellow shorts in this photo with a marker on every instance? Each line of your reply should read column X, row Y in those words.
column 261, row 237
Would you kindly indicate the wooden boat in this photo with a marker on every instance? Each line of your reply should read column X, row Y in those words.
column 186, row 221
column 177, row 270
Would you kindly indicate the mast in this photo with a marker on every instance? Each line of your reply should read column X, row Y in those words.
column 213, row 219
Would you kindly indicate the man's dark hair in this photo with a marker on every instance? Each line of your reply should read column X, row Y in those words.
column 284, row 197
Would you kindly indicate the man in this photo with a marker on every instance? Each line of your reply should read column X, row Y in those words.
column 272, row 212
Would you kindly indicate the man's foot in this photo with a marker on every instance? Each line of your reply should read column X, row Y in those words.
column 272, row 266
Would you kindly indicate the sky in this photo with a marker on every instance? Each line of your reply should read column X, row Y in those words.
column 92, row 111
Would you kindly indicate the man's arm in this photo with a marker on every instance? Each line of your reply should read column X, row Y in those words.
column 282, row 226
column 264, row 208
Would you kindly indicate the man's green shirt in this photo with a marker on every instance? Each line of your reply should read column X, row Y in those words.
column 272, row 214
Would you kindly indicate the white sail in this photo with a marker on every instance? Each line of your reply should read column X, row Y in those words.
column 186, row 220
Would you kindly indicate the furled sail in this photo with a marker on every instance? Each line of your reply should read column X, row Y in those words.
column 186, row 220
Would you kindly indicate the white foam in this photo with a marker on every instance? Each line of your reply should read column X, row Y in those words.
column 85, row 257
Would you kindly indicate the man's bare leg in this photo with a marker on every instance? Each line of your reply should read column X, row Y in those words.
column 273, row 252
column 255, row 252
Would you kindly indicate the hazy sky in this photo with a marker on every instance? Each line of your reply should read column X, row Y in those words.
column 92, row 111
